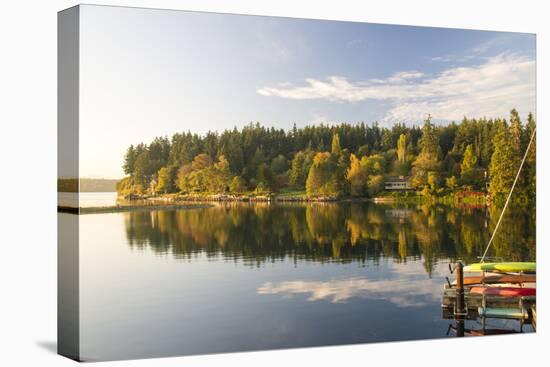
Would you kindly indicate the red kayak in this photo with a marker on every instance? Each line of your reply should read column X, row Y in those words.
column 504, row 291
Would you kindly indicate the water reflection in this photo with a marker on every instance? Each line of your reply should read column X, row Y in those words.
column 332, row 232
column 402, row 285
column 237, row 277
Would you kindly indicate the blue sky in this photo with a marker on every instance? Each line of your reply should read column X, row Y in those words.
column 147, row 73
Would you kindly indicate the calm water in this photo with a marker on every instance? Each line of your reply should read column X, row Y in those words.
column 238, row 277
column 86, row 199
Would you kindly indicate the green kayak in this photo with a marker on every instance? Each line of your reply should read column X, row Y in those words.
column 510, row 267
column 503, row 313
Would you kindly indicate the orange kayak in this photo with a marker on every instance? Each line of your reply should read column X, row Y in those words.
column 504, row 291
column 492, row 279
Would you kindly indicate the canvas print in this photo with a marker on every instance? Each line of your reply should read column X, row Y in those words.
column 235, row 183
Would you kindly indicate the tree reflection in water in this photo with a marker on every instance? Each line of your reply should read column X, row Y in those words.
column 333, row 232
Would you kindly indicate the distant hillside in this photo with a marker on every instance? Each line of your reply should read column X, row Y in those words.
column 86, row 185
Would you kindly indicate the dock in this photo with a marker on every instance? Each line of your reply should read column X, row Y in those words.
column 459, row 303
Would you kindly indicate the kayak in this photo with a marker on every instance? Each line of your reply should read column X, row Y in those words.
column 503, row 313
column 504, row 291
column 493, row 279
column 510, row 285
column 509, row 267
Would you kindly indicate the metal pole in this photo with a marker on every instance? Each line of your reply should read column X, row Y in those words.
column 460, row 307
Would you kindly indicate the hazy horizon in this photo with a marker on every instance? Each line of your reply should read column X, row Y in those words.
column 148, row 73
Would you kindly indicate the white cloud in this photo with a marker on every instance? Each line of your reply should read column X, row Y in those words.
column 409, row 288
column 454, row 58
column 490, row 89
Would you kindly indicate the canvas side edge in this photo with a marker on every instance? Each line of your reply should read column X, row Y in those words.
column 68, row 321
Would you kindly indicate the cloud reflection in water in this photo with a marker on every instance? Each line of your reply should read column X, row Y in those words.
column 407, row 286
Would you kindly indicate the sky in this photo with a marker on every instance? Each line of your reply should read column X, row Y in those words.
column 147, row 73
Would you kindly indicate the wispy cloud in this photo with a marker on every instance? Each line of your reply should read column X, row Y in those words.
column 489, row 89
column 454, row 58
column 477, row 52
column 490, row 44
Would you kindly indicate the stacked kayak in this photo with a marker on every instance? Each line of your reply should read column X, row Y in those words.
column 503, row 267
column 499, row 279
column 503, row 313
column 504, row 291
column 503, row 280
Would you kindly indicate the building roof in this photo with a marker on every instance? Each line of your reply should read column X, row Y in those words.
column 398, row 179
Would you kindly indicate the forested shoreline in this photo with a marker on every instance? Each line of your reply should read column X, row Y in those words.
column 336, row 161
column 86, row 185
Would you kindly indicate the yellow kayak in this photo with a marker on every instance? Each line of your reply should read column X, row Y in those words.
column 509, row 267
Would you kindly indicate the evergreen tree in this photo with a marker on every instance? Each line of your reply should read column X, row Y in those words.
column 468, row 166
column 530, row 168
column 429, row 158
column 235, row 156
column 386, row 142
column 297, row 175
column 502, row 168
column 129, row 160
column 518, row 147
column 254, row 163
column 516, row 129
column 142, row 171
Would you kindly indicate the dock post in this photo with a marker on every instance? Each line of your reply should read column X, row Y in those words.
column 460, row 328
column 460, row 306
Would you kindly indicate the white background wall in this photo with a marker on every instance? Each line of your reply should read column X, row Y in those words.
column 28, row 180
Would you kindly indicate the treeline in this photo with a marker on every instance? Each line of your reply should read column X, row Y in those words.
column 336, row 160
column 86, row 185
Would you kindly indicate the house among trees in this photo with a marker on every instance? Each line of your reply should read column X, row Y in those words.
column 398, row 183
